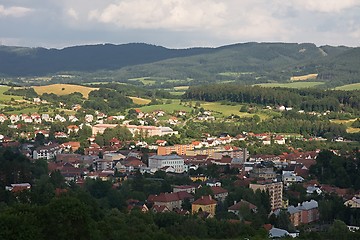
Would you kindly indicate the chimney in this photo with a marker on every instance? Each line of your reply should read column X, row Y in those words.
column 235, row 202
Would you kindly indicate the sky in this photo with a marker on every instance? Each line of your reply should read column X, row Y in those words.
column 178, row 23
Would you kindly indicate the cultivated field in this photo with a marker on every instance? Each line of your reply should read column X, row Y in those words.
column 349, row 87
column 291, row 85
column 304, row 77
column 63, row 89
column 140, row 101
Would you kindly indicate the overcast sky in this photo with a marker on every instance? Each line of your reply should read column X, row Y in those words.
column 178, row 23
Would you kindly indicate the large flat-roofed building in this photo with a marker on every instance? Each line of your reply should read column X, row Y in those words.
column 275, row 190
column 100, row 128
column 148, row 131
column 157, row 162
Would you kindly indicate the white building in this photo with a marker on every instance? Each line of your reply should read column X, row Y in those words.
column 157, row 162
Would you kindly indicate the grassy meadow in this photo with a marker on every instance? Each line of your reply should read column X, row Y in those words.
column 4, row 97
column 349, row 87
column 296, row 84
column 63, row 89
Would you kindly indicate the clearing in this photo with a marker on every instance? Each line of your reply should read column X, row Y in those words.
column 304, row 77
column 291, row 85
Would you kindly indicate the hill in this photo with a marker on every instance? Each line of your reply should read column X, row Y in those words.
column 21, row 61
column 244, row 63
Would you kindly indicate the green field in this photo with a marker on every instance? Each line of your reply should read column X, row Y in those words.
column 291, row 85
column 227, row 110
column 168, row 108
column 349, row 87
column 4, row 97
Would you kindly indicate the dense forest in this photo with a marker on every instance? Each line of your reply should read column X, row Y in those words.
column 305, row 99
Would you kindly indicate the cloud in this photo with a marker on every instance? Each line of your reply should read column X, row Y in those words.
column 14, row 11
column 176, row 15
column 72, row 13
column 325, row 6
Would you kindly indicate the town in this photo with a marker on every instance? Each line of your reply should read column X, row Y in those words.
column 260, row 181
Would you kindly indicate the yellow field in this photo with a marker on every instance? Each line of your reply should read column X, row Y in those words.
column 344, row 122
column 352, row 130
column 140, row 101
column 63, row 89
column 304, row 77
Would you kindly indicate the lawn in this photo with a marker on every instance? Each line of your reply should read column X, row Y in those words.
column 349, row 87
column 63, row 89
column 4, row 97
column 291, row 85
column 227, row 110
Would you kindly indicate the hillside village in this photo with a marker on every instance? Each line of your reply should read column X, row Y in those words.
column 206, row 173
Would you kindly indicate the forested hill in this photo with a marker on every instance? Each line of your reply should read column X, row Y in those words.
column 245, row 63
column 22, row 61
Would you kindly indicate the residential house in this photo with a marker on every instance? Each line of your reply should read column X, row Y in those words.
column 47, row 152
column 204, row 204
column 186, row 188
column 93, row 149
column 220, row 193
column 60, row 135
column 3, row 118
column 18, row 187
column 89, row 118
column 14, row 118
column 170, row 200
column 238, row 206
column 279, row 140
column 309, row 211
column 160, row 209
column 70, row 146
column 72, row 129
column 353, row 203
column 60, row 118
column 73, row 118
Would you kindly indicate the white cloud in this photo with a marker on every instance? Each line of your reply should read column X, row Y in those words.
column 167, row 14
column 14, row 11
column 325, row 6
column 73, row 13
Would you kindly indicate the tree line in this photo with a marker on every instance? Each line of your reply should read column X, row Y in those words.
column 305, row 99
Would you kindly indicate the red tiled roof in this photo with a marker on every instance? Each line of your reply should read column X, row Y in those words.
column 218, row 190
column 241, row 204
column 170, row 197
column 160, row 208
column 205, row 200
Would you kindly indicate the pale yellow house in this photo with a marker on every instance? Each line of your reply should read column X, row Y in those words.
column 206, row 204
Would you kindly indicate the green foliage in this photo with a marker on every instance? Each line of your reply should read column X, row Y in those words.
column 339, row 171
column 306, row 99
